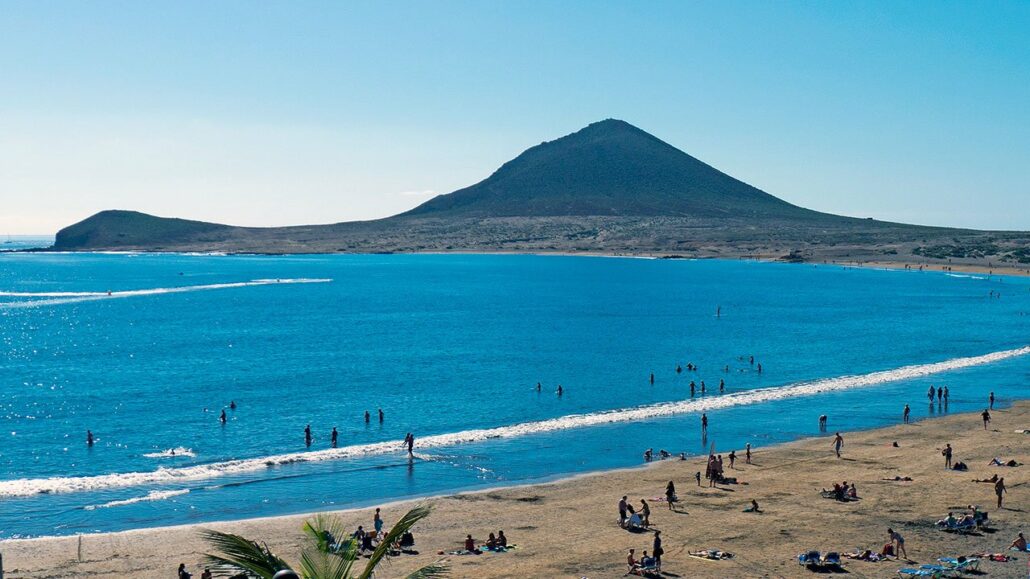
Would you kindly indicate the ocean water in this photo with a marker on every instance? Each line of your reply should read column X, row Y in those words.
column 147, row 350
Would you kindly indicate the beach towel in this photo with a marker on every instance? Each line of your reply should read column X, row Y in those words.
column 918, row 573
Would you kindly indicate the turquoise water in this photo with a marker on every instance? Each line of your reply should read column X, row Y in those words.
column 447, row 346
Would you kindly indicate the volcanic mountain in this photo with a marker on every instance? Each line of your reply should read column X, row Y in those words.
column 609, row 187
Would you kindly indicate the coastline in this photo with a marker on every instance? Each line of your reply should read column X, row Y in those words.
column 566, row 527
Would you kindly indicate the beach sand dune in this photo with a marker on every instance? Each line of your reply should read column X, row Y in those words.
column 569, row 528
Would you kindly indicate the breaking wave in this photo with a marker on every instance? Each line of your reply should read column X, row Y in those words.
column 58, row 298
column 30, row 487
column 151, row 496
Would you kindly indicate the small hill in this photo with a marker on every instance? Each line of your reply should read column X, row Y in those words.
column 610, row 168
column 116, row 228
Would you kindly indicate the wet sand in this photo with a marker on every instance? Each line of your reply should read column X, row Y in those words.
column 569, row 528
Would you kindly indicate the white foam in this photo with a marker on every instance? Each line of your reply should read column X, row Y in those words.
column 171, row 453
column 58, row 298
column 151, row 496
column 964, row 276
column 29, row 487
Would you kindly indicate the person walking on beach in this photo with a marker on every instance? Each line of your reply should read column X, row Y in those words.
column 904, row 415
column 838, row 442
column 307, row 435
column 697, row 475
column 747, row 453
column 899, row 543
column 946, row 453
column 704, row 424
column 657, row 551
column 999, row 489
column 991, row 399
column 670, row 494
column 333, row 437
column 377, row 522
column 733, row 458
column 986, row 415
column 623, row 507
column 89, row 438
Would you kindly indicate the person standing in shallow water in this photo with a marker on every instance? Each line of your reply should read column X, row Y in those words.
column 222, row 418
column 380, row 416
column 991, row 400
column 333, row 437
column 368, row 417
column 307, row 435
column 652, row 378
column 704, row 424
column 722, row 386
column 89, row 438
column 930, row 393
column 906, row 413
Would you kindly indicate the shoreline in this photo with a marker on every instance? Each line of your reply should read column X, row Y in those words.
column 156, row 551
column 916, row 266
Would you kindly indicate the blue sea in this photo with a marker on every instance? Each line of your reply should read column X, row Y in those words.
column 147, row 350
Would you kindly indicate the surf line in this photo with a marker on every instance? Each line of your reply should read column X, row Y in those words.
column 30, row 487
column 57, row 298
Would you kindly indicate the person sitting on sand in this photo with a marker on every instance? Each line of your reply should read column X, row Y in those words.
column 1019, row 544
column 645, row 561
column 183, row 573
column 502, row 541
column 631, row 562
column 206, row 574
column 899, row 478
column 853, row 492
column 360, row 533
column 470, row 544
column 753, row 508
column 491, row 542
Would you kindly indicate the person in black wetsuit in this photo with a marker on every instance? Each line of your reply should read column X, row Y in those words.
column 307, row 435
column 368, row 417
column 89, row 438
column 905, row 414
column 381, row 416
column 222, row 418
column 333, row 437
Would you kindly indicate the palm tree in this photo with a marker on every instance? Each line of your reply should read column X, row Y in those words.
column 321, row 559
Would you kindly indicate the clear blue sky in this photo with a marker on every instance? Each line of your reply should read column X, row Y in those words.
column 270, row 113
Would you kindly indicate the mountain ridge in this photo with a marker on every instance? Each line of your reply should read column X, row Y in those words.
column 609, row 188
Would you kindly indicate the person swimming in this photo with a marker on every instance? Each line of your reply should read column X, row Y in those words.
column 232, row 405
column 560, row 390
column 679, row 369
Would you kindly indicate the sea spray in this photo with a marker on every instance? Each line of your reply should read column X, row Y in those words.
column 30, row 487
column 59, row 298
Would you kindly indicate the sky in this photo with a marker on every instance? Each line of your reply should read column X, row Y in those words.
column 279, row 113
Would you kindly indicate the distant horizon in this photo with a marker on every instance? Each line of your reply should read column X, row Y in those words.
column 283, row 114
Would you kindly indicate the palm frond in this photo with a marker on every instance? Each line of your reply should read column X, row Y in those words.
column 322, row 526
column 402, row 526
column 241, row 554
column 438, row 569
column 319, row 564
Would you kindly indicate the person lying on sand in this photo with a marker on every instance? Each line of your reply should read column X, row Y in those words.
column 998, row 462
column 899, row 478
column 993, row 479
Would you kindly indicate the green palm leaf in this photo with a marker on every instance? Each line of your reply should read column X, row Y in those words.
column 241, row 554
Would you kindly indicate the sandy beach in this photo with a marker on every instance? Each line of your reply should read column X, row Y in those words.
column 569, row 528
